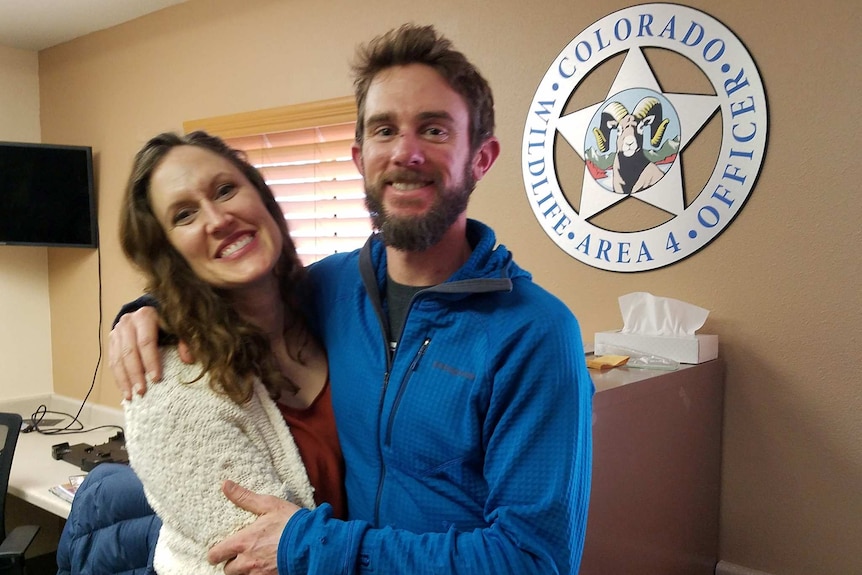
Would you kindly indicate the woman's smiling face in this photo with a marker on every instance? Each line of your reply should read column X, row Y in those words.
column 215, row 218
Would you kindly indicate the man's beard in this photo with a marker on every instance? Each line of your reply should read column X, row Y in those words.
column 418, row 233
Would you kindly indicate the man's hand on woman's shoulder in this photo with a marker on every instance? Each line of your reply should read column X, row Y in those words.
column 133, row 352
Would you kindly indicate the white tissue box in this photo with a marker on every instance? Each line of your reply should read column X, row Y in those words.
column 696, row 349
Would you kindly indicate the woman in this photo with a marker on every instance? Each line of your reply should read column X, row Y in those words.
column 208, row 235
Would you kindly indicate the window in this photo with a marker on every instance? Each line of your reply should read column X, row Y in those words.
column 303, row 151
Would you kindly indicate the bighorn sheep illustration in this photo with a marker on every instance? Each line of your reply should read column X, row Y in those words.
column 633, row 171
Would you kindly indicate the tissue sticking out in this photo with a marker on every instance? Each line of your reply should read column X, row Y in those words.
column 647, row 314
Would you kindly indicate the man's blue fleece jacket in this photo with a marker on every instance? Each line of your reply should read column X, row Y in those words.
column 468, row 449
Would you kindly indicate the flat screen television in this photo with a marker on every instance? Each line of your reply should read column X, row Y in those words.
column 47, row 195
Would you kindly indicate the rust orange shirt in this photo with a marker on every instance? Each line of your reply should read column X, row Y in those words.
column 314, row 432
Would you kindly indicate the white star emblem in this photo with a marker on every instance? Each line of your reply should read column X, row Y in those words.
column 692, row 112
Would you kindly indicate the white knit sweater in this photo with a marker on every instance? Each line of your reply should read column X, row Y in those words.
column 184, row 440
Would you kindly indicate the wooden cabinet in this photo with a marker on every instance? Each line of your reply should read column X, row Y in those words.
column 656, row 484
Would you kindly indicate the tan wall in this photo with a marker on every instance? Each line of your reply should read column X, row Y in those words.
column 782, row 283
column 25, row 318
column 19, row 95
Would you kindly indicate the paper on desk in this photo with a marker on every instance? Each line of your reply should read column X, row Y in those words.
column 66, row 491
column 646, row 314
column 607, row 361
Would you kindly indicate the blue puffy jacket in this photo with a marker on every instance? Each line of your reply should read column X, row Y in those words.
column 111, row 529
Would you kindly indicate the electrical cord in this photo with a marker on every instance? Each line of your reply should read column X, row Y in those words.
column 40, row 413
column 75, row 425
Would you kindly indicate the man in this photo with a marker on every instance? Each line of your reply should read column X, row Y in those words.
column 460, row 390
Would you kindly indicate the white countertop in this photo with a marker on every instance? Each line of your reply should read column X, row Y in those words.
column 34, row 470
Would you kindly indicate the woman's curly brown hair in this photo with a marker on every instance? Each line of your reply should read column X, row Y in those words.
column 231, row 350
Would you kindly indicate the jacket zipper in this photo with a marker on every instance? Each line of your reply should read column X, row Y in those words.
column 414, row 365
column 380, row 455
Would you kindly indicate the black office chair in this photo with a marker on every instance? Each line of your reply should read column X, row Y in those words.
column 12, row 548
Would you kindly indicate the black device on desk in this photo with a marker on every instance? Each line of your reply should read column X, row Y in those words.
column 88, row 456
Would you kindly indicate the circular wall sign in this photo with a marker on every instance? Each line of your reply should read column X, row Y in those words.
column 633, row 143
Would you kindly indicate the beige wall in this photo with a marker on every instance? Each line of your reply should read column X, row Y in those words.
column 782, row 283
column 19, row 95
column 25, row 318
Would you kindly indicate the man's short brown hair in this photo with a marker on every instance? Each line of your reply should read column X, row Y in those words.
column 412, row 44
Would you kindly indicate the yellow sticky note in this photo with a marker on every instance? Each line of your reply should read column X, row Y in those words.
column 607, row 361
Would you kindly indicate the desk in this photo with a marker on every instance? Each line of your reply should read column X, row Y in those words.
column 654, row 503
column 34, row 470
